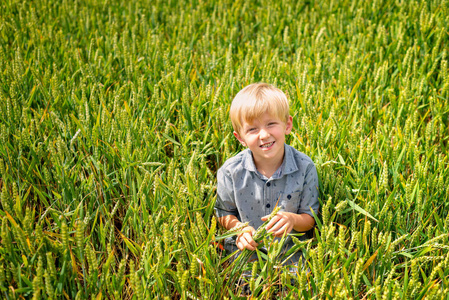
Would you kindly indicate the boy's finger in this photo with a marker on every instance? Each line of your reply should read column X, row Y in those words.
column 249, row 247
column 272, row 222
column 286, row 229
column 250, row 240
column 254, row 244
column 240, row 246
column 276, row 227
column 281, row 230
column 242, row 241
column 245, row 236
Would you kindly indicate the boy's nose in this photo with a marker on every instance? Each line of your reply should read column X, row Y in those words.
column 264, row 134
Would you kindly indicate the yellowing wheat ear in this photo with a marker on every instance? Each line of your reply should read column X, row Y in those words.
column 237, row 229
column 262, row 229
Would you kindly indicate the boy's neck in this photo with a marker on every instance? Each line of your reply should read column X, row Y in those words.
column 268, row 168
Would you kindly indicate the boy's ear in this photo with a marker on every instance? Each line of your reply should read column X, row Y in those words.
column 239, row 138
column 289, row 125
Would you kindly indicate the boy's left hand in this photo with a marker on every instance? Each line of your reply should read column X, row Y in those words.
column 282, row 223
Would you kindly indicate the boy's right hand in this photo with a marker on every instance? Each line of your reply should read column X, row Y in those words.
column 245, row 239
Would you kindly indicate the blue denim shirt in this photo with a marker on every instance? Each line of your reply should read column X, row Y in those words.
column 247, row 194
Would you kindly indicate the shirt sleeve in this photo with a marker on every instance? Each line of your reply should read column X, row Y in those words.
column 225, row 204
column 310, row 192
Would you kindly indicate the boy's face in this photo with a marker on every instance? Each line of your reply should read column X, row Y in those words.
column 265, row 137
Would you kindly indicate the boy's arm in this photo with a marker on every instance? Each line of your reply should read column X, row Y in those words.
column 229, row 221
column 245, row 239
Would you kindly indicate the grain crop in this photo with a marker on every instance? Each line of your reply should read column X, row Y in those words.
column 114, row 118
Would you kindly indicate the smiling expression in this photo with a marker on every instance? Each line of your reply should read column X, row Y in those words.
column 265, row 137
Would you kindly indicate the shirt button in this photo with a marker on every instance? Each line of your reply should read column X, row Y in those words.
column 268, row 184
column 289, row 197
column 268, row 205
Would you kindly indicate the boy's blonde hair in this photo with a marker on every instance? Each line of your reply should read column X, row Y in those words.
column 256, row 99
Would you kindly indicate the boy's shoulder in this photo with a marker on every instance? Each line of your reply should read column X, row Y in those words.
column 236, row 162
column 296, row 155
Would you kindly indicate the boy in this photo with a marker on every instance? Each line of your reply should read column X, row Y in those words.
column 251, row 183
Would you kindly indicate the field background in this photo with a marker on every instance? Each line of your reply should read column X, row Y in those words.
column 114, row 121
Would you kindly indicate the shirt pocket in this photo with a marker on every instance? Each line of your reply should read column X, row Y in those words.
column 290, row 202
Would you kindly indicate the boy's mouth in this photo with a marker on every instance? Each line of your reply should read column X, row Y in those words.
column 267, row 145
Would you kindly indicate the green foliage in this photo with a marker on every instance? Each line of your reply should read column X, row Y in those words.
column 114, row 121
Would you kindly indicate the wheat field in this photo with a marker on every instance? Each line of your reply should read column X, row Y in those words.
column 114, row 118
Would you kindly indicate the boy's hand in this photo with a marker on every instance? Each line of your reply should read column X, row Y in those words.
column 282, row 223
column 245, row 239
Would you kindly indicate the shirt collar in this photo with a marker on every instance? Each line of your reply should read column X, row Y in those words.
column 248, row 161
column 288, row 164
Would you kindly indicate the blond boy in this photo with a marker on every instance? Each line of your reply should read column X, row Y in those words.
column 267, row 172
